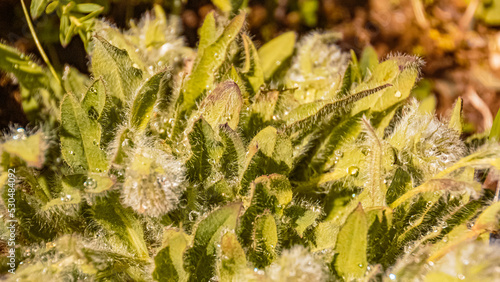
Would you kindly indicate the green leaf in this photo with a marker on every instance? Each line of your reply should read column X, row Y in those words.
column 81, row 133
column 232, row 262
column 98, row 183
column 275, row 52
column 486, row 222
column 351, row 261
column 207, row 33
column 124, row 144
column 495, row 128
column 269, row 193
column 388, row 72
column 86, row 8
column 201, row 256
column 205, row 151
column 435, row 185
column 309, row 12
column 212, row 57
column 428, row 105
column 347, row 81
column 222, row 106
column 223, row 5
column 52, row 7
column 116, row 69
column 265, row 240
column 227, row 6
column 306, row 116
column 252, row 70
column 169, row 264
column 233, row 158
column 94, row 100
column 31, row 149
column 70, row 195
column 261, row 113
column 308, row 218
column 268, row 152
column 320, row 151
column 144, row 102
column 75, row 82
column 375, row 185
column 37, row 7
column 121, row 224
column 368, row 62
column 30, row 75
column 456, row 116
column 488, row 219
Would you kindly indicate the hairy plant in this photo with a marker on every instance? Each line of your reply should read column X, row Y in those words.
column 290, row 162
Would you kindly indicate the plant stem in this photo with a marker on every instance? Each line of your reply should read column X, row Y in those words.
column 38, row 45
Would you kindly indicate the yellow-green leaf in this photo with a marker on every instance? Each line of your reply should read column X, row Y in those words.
column 275, row 52
column 351, row 261
column 116, row 69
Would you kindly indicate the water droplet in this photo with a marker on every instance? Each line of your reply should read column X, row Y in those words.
column 71, row 152
column 90, row 183
column 193, row 215
column 392, row 276
column 360, row 265
column 398, row 94
column 126, row 142
column 183, row 203
column 20, row 134
column 16, row 66
column 412, row 218
column 461, row 276
column 353, row 170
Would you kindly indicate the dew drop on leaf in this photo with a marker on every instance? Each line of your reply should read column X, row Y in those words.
column 90, row 183
column 353, row 170
column 20, row 134
column 193, row 215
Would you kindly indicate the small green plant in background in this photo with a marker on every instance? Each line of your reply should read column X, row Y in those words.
column 290, row 162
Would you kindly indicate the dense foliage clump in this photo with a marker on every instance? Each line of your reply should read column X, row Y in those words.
column 290, row 162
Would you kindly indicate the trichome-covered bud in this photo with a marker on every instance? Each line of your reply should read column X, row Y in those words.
column 153, row 180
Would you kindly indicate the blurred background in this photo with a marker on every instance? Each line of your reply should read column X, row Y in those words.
column 458, row 39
